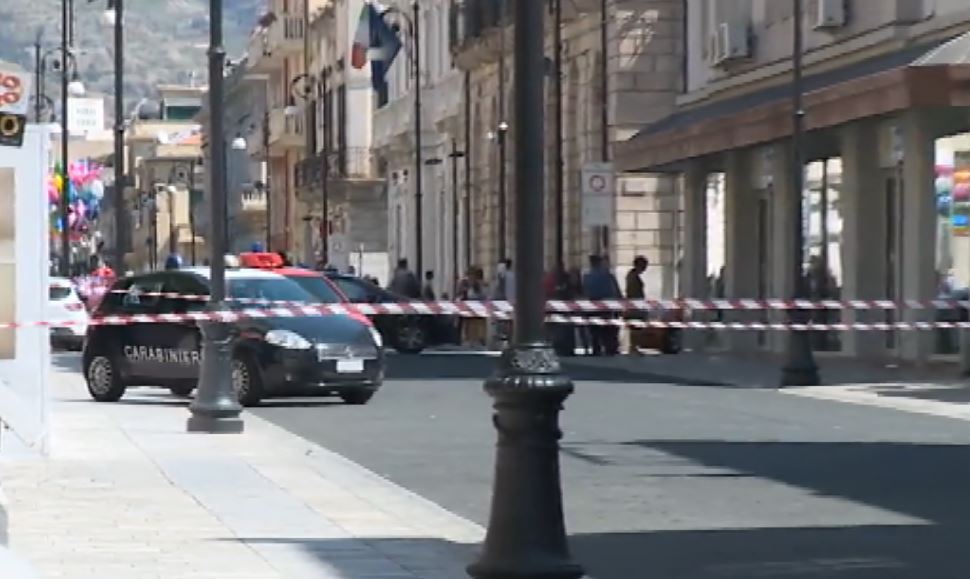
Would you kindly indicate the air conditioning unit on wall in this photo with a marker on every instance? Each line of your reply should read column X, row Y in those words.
column 830, row 14
column 731, row 42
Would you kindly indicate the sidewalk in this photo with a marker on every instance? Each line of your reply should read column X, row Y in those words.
column 936, row 388
column 127, row 494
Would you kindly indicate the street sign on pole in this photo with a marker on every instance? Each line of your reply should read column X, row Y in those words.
column 598, row 194
column 14, row 102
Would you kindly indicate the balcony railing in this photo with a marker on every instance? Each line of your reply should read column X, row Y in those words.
column 285, row 34
column 349, row 164
column 286, row 130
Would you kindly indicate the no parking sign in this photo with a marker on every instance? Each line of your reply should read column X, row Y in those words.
column 598, row 188
column 14, row 101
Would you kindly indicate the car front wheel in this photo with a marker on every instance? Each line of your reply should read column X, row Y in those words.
column 103, row 379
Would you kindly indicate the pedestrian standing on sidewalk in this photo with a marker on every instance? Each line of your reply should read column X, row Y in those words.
column 599, row 284
column 473, row 290
column 404, row 282
column 427, row 290
column 635, row 291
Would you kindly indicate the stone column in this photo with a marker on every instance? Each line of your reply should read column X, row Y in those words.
column 783, row 200
column 918, row 222
column 741, row 243
column 693, row 268
column 863, row 233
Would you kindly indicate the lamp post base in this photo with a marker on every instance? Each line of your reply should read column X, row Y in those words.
column 215, row 408
column 526, row 536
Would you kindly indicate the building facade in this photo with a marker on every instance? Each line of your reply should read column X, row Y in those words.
column 616, row 73
column 886, row 161
column 247, row 180
column 442, row 137
column 342, row 171
column 276, row 49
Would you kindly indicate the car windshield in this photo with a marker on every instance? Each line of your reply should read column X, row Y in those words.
column 319, row 287
column 256, row 292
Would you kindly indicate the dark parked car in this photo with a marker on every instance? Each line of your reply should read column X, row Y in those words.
column 408, row 334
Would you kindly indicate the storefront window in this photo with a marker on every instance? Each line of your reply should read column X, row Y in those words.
column 822, row 228
column 952, row 265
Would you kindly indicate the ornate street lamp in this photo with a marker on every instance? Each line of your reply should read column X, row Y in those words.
column 526, row 536
column 216, row 407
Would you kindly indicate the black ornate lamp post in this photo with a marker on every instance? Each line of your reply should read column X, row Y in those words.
column 526, row 536
column 216, row 408
column 800, row 368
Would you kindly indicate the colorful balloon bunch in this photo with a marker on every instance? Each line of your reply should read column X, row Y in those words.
column 84, row 189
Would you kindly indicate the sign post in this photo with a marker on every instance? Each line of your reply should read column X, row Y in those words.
column 599, row 185
column 598, row 188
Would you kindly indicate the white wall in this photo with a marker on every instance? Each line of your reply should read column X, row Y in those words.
column 24, row 374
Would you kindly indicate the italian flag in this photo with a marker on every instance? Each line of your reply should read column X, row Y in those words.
column 362, row 38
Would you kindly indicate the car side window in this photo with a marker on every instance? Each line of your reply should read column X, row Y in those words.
column 113, row 301
column 142, row 296
column 354, row 291
column 183, row 285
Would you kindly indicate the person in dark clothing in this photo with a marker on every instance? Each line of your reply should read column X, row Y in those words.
column 635, row 291
column 404, row 282
column 427, row 291
column 600, row 284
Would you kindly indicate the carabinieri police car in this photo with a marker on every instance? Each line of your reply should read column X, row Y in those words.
column 323, row 354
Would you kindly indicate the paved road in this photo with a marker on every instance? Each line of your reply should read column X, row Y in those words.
column 675, row 481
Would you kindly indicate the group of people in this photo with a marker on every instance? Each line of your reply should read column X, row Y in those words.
column 597, row 283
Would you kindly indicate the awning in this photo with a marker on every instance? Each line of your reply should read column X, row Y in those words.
column 923, row 75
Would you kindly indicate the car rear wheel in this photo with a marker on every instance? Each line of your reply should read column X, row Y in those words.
column 247, row 381
column 181, row 391
column 357, row 397
column 671, row 342
column 103, row 379
column 410, row 338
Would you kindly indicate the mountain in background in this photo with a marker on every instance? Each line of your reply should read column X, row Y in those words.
column 165, row 40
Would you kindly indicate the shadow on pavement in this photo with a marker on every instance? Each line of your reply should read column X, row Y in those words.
column 478, row 367
column 858, row 552
column 925, row 482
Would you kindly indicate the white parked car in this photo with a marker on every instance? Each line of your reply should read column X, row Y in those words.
column 65, row 305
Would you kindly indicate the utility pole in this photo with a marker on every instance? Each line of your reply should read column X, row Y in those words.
column 799, row 368
column 65, row 207
column 558, row 147
column 503, row 129
column 418, row 193
column 118, row 190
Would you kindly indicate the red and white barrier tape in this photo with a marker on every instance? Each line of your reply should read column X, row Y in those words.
column 230, row 316
column 618, row 305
